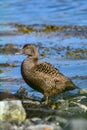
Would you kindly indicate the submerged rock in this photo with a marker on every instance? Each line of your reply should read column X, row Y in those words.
column 77, row 124
column 12, row 110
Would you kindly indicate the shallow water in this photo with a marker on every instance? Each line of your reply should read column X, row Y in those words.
column 59, row 12
column 69, row 17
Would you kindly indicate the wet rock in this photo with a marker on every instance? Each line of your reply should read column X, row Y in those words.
column 12, row 110
column 77, row 124
column 57, row 120
column 37, row 120
column 5, row 125
column 9, row 126
column 82, row 106
column 83, row 91
column 44, row 127
column 27, row 101
column 7, row 95
column 27, row 123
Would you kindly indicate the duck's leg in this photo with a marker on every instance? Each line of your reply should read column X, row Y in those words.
column 47, row 100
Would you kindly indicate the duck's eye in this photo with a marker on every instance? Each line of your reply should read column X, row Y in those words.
column 29, row 50
column 32, row 51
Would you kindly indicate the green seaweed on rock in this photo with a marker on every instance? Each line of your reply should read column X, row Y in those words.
column 73, row 54
column 9, row 48
column 1, row 71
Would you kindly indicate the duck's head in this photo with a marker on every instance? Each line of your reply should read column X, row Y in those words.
column 30, row 50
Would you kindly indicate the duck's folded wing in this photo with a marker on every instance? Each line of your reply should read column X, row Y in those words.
column 46, row 68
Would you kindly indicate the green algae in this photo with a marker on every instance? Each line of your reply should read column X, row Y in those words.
column 9, row 48
column 77, row 53
column 1, row 71
column 52, row 28
column 80, row 51
column 67, row 30
column 72, row 54
column 28, row 29
column 63, row 52
column 43, row 54
column 74, row 30
column 24, row 28
column 7, row 65
column 46, row 49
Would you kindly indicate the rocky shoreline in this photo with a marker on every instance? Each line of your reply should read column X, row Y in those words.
column 27, row 114
column 48, row 123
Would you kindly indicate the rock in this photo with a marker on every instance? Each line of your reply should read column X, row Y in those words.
column 7, row 95
column 12, row 110
column 83, row 91
column 9, row 126
column 56, row 119
column 5, row 125
column 36, row 120
column 82, row 106
column 77, row 124
column 43, row 127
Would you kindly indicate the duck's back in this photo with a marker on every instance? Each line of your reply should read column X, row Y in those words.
column 46, row 79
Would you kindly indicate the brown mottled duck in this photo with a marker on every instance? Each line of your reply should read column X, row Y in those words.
column 43, row 76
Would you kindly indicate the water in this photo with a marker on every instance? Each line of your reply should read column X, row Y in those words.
column 39, row 14
column 58, row 12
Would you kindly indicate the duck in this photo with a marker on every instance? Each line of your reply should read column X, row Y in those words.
column 43, row 76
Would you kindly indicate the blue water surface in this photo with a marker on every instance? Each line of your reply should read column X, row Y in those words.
column 58, row 12
column 43, row 12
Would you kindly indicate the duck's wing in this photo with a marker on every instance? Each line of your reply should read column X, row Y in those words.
column 41, row 76
column 49, row 71
column 54, row 75
column 46, row 69
column 45, row 78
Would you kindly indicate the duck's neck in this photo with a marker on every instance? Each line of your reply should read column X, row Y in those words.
column 30, row 62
